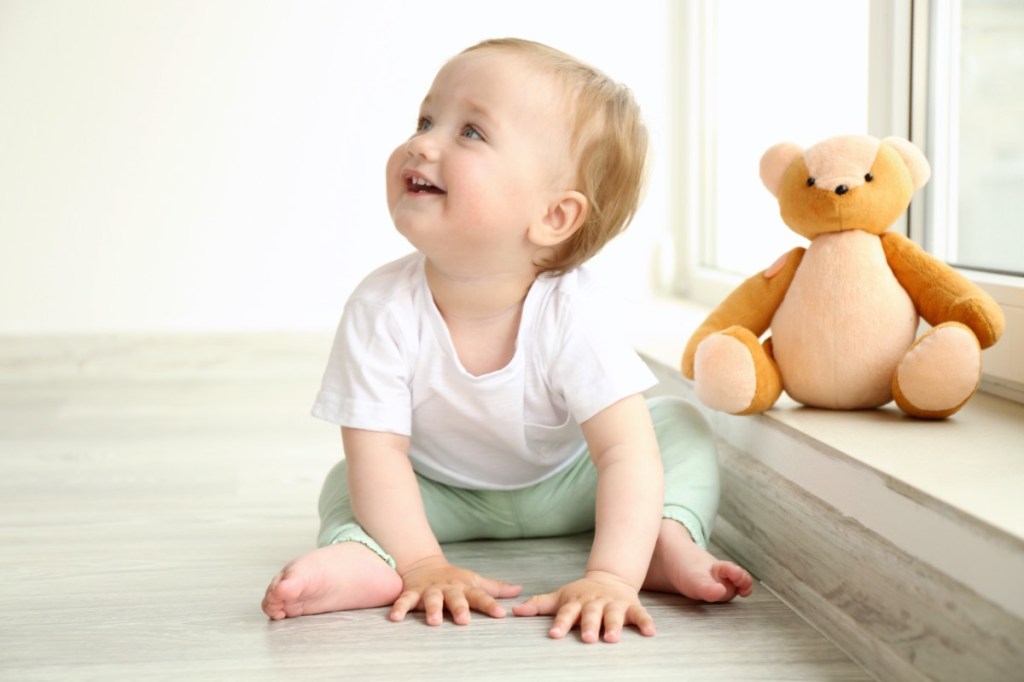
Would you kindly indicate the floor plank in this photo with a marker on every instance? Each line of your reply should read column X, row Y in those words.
column 149, row 488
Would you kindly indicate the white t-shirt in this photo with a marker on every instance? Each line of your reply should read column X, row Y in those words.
column 393, row 368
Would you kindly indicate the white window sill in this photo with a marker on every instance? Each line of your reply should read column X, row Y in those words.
column 947, row 492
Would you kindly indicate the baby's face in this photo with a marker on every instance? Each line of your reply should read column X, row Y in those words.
column 490, row 150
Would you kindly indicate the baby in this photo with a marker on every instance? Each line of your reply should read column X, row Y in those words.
column 482, row 393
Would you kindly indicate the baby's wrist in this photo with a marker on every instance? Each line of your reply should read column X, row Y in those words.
column 420, row 562
column 610, row 577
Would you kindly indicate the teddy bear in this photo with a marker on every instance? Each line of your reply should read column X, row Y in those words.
column 843, row 312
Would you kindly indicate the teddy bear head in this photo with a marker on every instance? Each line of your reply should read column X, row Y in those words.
column 849, row 182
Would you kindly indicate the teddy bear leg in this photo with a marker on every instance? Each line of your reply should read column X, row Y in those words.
column 939, row 373
column 734, row 373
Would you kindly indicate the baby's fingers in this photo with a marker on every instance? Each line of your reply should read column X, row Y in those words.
column 458, row 605
column 499, row 589
column 566, row 615
column 566, row 618
column 479, row 600
column 405, row 603
column 538, row 605
column 638, row 616
column 433, row 606
column 613, row 617
column 594, row 613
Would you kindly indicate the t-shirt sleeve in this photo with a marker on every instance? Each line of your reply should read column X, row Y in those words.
column 592, row 363
column 366, row 383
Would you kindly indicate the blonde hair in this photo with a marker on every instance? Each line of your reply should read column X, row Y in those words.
column 609, row 141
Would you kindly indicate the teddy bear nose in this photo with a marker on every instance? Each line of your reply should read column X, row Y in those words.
column 842, row 189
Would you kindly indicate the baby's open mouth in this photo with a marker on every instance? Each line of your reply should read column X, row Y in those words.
column 418, row 185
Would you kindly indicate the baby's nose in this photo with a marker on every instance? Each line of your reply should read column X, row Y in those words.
column 422, row 145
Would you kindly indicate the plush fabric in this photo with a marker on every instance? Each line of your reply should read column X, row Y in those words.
column 843, row 313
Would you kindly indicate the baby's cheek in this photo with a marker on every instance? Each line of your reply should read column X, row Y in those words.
column 394, row 165
column 393, row 175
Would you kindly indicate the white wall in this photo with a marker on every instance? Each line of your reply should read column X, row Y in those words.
column 203, row 165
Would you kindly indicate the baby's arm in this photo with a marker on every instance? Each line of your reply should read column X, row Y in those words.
column 387, row 503
column 630, row 497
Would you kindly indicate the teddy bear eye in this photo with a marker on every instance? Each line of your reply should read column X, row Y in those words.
column 869, row 177
column 810, row 182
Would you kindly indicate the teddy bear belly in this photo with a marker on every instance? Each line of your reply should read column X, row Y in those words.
column 843, row 326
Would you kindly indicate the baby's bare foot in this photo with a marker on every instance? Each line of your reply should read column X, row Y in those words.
column 680, row 566
column 333, row 578
column 714, row 580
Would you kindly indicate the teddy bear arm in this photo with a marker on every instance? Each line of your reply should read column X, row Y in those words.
column 940, row 293
column 750, row 305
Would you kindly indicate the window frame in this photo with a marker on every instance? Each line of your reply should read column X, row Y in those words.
column 934, row 22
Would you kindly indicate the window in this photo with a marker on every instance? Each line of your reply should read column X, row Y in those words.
column 974, row 107
column 944, row 73
column 757, row 73
column 968, row 105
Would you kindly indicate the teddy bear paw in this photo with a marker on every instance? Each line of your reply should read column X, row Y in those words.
column 733, row 373
column 939, row 373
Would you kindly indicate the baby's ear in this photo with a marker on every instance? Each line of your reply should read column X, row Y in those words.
column 564, row 216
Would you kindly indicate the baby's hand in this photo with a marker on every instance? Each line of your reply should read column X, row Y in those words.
column 596, row 599
column 433, row 584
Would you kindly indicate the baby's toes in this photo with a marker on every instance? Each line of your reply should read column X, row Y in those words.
column 719, row 591
column 740, row 579
column 746, row 584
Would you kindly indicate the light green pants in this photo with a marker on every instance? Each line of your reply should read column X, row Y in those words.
column 561, row 505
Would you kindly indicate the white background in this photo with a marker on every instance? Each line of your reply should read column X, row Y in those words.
column 217, row 165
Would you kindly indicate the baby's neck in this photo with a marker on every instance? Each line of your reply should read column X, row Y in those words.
column 482, row 315
column 478, row 298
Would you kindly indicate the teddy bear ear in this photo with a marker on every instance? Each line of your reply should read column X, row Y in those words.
column 775, row 162
column 917, row 163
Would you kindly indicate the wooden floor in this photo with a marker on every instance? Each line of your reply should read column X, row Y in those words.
column 149, row 489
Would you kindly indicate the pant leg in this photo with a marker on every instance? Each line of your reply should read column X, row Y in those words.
column 337, row 521
column 454, row 514
column 690, row 457
column 565, row 503
column 560, row 505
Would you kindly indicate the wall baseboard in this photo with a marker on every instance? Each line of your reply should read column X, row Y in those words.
column 895, row 615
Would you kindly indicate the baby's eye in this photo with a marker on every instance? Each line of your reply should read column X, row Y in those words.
column 470, row 132
column 423, row 124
